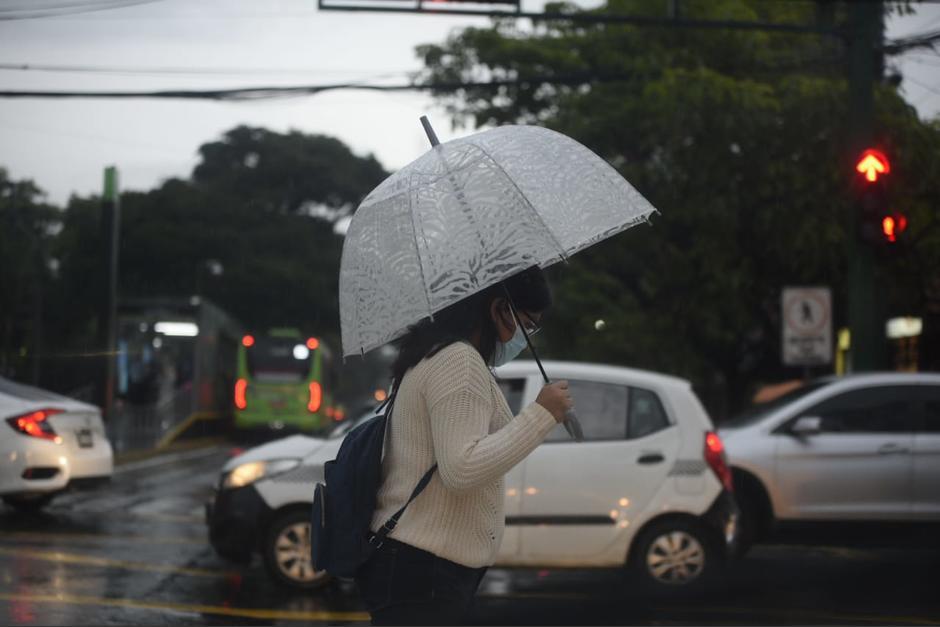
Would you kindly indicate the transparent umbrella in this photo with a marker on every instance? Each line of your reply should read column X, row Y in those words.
column 468, row 214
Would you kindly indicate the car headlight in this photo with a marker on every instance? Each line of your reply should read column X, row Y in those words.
column 246, row 474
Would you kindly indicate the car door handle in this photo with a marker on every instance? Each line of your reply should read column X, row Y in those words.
column 893, row 449
column 650, row 458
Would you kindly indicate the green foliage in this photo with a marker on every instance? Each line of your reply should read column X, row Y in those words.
column 739, row 138
column 285, row 173
column 27, row 227
column 262, row 204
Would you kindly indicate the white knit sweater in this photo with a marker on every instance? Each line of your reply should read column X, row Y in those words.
column 450, row 410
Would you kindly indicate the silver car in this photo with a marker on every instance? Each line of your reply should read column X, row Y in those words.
column 862, row 447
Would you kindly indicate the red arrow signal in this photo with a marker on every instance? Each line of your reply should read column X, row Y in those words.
column 872, row 164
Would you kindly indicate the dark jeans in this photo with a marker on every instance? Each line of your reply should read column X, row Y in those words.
column 403, row 585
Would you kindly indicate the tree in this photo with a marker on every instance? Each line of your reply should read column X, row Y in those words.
column 286, row 173
column 27, row 226
column 736, row 136
column 261, row 203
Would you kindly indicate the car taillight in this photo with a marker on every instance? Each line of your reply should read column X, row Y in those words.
column 35, row 424
column 241, row 386
column 717, row 460
column 316, row 397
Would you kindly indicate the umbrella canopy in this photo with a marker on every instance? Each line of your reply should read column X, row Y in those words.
column 468, row 214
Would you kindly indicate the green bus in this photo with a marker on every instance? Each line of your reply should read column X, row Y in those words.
column 284, row 381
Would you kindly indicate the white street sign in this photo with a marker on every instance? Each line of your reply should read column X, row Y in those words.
column 807, row 326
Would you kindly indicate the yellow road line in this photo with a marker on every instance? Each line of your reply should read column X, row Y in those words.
column 263, row 614
column 177, row 431
column 90, row 560
column 809, row 615
column 97, row 537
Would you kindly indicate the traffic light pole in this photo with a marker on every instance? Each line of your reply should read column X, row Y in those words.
column 865, row 61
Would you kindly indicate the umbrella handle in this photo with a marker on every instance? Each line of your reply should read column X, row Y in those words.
column 573, row 426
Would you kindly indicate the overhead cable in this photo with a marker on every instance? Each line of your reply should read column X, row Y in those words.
column 33, row 11
column 258, row 93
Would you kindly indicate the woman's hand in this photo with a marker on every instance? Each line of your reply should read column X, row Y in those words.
column 555, row 398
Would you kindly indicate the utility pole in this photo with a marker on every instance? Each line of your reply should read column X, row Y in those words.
column 107, row 319
column 865, row 67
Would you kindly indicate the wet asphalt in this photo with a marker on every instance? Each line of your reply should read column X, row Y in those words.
column 136, row 552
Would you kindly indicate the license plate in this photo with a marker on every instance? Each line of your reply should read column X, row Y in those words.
column 85, row 438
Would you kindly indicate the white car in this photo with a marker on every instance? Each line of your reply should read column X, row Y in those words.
column 50, row 444
column 648, row 489
column 863, row 447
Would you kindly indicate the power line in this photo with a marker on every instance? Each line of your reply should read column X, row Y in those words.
column 31, row 11
column 930, row 62
column 933, row 89
column 105, row 69
column 258, row 93
column 926, row 39
column 247, row 93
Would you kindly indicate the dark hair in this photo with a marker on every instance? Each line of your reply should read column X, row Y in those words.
column 529, row 292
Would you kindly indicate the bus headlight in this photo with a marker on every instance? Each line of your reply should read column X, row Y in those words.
column 248, row 473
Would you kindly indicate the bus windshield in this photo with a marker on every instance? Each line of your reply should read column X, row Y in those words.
column 279, row 359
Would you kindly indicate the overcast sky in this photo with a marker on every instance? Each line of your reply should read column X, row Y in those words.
column 64, row 145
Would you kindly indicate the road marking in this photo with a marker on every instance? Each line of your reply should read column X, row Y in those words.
column 176, row 518
column 170, row 458
column 99, row 537
column 178, row 430
column 808, row 615
column 263, row 614
column 90, row 560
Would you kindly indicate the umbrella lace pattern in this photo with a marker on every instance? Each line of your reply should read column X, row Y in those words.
column 468, row 214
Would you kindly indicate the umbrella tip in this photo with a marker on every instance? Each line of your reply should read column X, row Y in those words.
column 432, row 136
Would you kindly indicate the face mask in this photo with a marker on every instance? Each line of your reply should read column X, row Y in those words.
column 507, row 351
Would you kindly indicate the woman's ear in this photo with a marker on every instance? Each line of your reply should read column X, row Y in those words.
column 499, row 309
column 496, row 311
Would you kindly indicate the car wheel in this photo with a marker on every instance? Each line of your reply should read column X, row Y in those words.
column 675, row 556
column 28, row 503
column 286, row 552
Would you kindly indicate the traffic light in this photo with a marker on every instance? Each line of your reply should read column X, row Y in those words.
column 879, row 224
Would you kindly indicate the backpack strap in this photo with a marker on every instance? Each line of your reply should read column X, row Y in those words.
column 378, row 538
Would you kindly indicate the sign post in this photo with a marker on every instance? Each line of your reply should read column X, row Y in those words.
column 807, row 326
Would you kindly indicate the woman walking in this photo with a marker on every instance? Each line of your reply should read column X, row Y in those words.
column 449, row 411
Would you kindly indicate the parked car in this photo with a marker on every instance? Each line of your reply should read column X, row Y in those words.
column 648, row 489
column 862, row 447
column 50, row 444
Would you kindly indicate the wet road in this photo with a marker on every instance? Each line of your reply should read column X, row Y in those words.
column 136, row 553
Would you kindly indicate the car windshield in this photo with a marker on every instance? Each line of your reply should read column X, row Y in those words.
column 756, row 412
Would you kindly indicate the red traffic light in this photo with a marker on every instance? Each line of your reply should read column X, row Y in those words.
column 872, row 164
column 893, row 225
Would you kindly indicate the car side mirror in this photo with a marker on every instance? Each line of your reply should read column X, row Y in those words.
column 806, row 426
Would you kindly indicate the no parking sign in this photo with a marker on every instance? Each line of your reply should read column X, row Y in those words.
column 807, row 326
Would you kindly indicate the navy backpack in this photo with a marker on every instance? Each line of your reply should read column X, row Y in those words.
column 340, row 535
